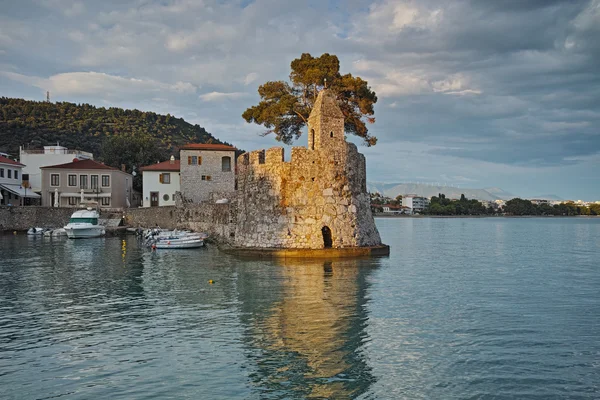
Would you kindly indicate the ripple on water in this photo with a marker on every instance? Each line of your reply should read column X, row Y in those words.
column 462, row 309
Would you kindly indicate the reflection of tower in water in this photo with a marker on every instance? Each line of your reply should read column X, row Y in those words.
column 311, row 338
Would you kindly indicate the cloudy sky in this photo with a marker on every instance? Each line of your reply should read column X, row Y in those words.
column 472, row 93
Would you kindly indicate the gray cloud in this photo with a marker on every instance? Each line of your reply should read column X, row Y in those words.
column 497, row 87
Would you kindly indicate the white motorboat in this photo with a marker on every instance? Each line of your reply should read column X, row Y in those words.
column 84, row 224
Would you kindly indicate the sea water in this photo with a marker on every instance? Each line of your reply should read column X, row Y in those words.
column 468, row 308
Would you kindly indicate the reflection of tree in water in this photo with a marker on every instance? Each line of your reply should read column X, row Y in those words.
column 310, row 338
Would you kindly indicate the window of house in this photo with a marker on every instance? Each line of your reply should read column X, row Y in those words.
column 164, row 178
column 16, row 174
column 93, row 181
column 206, row 177
column 194, row 160
column 54, row 180
column 83, row 181
column 105, row 180
column 9, row 173
column 1, row 172
column 72, row 180
column 72, row 201
column 226, row 164
column 106, row 201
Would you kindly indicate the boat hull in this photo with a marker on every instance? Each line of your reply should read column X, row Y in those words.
column 84, row 232
column 178, row 244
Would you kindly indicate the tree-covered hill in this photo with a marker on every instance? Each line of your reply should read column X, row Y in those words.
column 34, row 124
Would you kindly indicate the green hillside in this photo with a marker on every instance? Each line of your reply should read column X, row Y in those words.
column 34, row 124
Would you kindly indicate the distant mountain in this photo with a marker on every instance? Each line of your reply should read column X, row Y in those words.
column 394, row 189
column 500, row 193
column 550, row 197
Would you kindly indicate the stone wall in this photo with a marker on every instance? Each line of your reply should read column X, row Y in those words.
column 215, row 219
column 23, row 218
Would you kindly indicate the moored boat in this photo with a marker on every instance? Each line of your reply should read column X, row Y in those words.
column 36, row 231
column 84, row 224
column 181, row 243
column 165, row 239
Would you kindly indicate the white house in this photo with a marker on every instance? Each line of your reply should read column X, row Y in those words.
column 13, row 188
column 416, row 203
column 34, row 160
column 160, row 182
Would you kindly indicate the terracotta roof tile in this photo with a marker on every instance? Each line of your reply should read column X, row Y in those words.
column 162, row 166
column 207, row 146
column 5, row 160
column 81, row 164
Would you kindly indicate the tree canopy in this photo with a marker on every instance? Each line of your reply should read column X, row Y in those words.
column 33, row 124
column 284, row 107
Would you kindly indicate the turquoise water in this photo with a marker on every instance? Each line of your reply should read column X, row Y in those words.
column 482, row 308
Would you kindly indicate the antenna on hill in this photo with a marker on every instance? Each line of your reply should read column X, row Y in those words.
column 48, row 96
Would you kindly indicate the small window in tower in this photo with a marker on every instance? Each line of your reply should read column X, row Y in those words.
column 331, row 134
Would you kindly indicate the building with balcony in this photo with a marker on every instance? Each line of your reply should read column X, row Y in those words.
column 415, row 203
column 13, row 184
column 84, row 181
column 34, row 160
column 160, row 183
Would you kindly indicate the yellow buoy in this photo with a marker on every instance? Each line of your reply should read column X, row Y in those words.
column 211, row 281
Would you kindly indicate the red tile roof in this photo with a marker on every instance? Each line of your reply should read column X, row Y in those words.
column 81, row 164
column 162, row 166
column 207, row 146
column 5, row 160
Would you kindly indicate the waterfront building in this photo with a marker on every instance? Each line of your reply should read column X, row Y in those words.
column 34, row 160
column 415, row 203
column 13, row 184
column 160, row 183
column 538, row 202
column 84, row 181
column 206, row 169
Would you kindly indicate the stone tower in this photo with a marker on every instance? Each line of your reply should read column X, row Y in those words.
column 316, row 200
column 326, row 124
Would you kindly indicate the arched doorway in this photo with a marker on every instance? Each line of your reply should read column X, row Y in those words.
column 327, row 241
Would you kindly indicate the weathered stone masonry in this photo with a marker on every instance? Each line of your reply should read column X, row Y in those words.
column 316, row 200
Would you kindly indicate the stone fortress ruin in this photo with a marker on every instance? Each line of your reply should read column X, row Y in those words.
column 316, row 200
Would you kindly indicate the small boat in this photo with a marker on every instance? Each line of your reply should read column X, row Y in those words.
column 36, row 231
column 165, row 239
column 84, row 224
column 181, row 243
column 56, row 232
